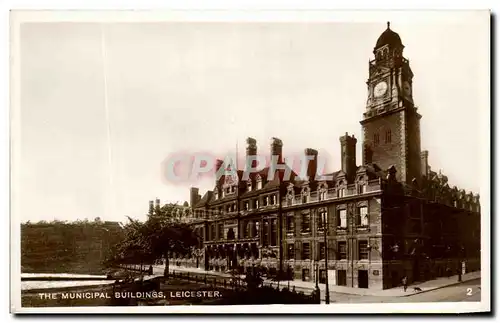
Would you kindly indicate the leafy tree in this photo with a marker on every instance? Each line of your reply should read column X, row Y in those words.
column 161, row 235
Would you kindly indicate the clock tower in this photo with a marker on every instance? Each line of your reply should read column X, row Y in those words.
column 391, row 124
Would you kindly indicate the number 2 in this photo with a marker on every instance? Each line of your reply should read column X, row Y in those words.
column 469, row 291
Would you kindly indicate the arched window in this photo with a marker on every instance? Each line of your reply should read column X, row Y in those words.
column 376, row 139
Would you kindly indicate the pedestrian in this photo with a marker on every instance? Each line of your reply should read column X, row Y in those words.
column 405, row 283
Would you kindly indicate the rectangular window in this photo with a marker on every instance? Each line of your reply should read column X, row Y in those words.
column 221, row 231
column 274, row 234
column 257, row 229
column 306, row 222
column 249, row 186
column 322, row 220
column 273, row 199
column 363, row 249
column 388, row 136
column 342, row 248
column 321, row 249
column 322, row 195
column 265, row 236
column 213, row 234
column 256, row 203
column 259, row 184
column 291, row 251
column 363, row 215
column 265, row 201
column 341, row 192
column 342, row 218
column 306, row 251
column 246, row 227
column 361, row 188
column 246, row 206
column 290, row 224
column 341, row 277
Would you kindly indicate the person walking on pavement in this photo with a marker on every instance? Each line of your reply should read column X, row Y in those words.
column 405, row 283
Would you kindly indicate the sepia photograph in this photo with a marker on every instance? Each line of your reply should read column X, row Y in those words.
column 250, row 162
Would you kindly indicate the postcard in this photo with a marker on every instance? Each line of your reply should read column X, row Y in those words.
column 250, row 161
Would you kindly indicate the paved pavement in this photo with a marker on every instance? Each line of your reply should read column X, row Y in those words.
column 469, row 291
column 454, row 289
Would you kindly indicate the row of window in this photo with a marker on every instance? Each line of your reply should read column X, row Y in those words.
column 360, row 219
column 340, row 254
column 249, row 229
column 232, row 189
column 255, row 203
column 388, row 138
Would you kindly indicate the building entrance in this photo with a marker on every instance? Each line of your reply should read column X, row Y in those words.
column 362, row 278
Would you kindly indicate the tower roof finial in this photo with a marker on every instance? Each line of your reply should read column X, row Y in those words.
column 388, row 25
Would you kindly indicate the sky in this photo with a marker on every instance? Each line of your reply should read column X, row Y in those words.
column 103, row 105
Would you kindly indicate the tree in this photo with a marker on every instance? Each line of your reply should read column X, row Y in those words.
column 158, row 237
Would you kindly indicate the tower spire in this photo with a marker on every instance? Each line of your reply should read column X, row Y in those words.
column 388, row 25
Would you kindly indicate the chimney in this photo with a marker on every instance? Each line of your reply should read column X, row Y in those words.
column 348, row 155
column 218, row 165
column 193, row 196
column 424, row 163
column 157, row 202
column 151, row 207
column 312, row 166
column 277, row 149
column 251, row 151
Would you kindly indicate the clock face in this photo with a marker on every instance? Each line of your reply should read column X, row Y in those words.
column 407, row 88
column 380, row 89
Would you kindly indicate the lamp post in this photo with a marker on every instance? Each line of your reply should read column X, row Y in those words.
column 327, row 289
column 460, row 263
column 317, row 274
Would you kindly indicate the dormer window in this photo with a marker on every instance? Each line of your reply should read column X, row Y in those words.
column 362, row 188
column 216, row 194
column 249, row 186
column 259, row 183
column 341, row 192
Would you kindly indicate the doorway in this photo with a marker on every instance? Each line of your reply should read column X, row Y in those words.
column 341, row 278
column 362, row 278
